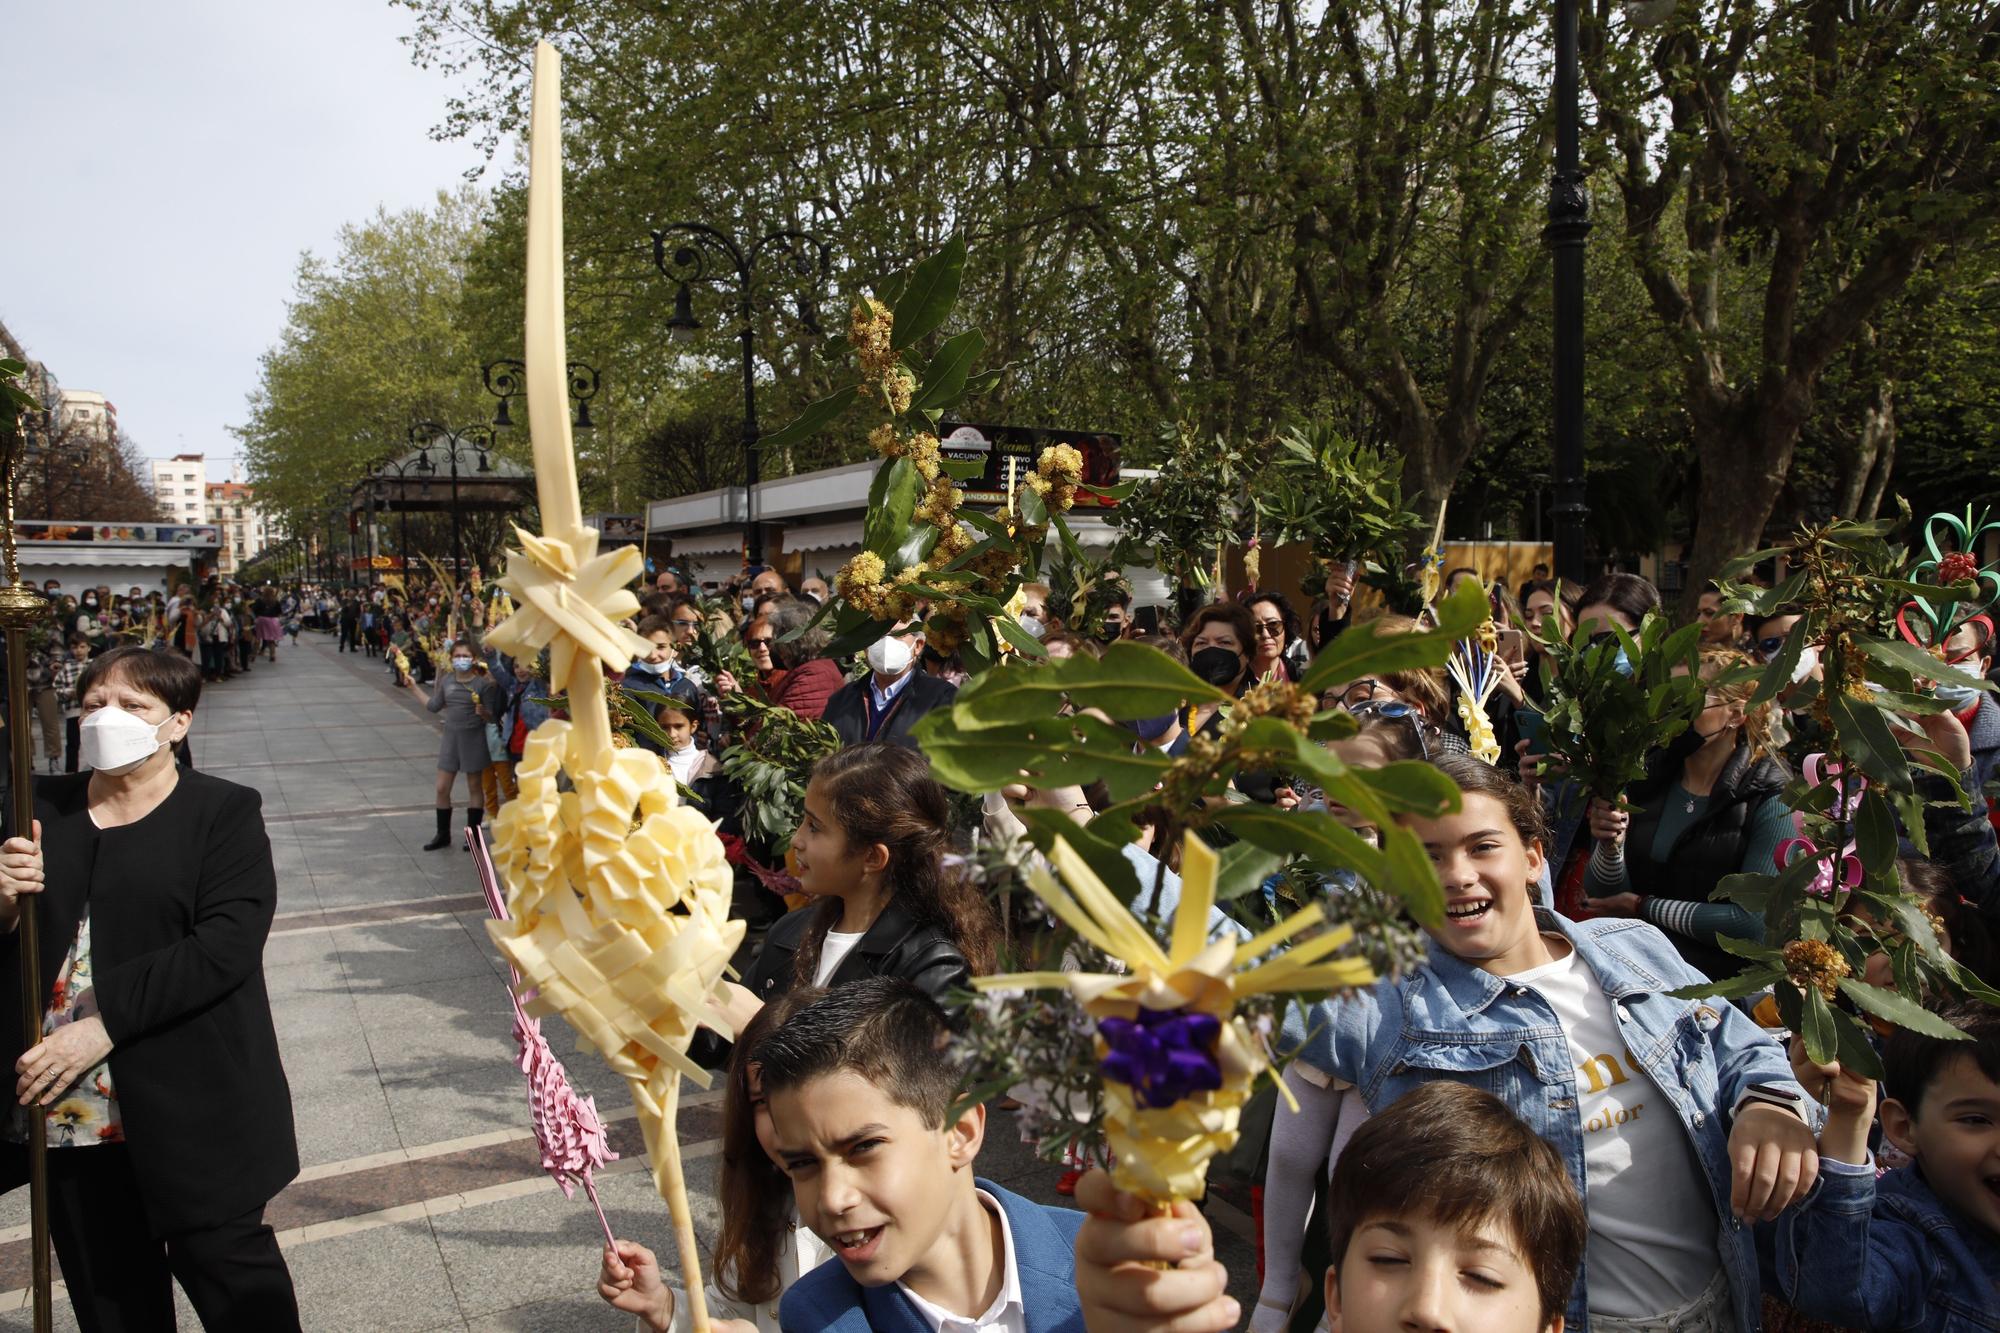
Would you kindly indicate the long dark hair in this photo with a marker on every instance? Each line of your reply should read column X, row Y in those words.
column 886, row 794
column 756, row 1196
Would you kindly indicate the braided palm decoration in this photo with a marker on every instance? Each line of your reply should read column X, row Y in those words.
column 618, row 895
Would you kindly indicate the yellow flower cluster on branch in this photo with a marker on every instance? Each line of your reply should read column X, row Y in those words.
column 863, row 582
column 1162, row 1152
column 1058, row 472
column 939, row 507
column 870, row 330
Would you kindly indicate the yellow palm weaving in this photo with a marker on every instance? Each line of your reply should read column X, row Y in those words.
column 1163, row 1151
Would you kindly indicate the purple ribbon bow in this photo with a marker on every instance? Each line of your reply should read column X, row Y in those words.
column 1163, row 1055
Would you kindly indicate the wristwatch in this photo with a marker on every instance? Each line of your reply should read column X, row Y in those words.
column 1772, row 1094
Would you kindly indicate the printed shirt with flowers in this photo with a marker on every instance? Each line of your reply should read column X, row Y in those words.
column 88, row 1112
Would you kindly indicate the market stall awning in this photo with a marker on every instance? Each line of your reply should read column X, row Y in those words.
column 823, row 536
column 709, row 543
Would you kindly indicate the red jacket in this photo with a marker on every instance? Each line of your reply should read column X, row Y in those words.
column 807, row 686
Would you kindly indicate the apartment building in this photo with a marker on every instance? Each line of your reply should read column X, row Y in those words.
column 232, row 507
column 180, row 484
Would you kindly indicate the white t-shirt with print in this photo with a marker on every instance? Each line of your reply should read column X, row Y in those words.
column 1652, row 1244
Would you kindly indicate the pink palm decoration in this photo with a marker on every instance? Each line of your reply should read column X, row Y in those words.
column 567, row 1127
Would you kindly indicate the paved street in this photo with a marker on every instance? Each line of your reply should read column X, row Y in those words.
column 421, row 1205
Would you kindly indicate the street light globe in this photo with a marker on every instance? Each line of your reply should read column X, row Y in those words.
column 683, row 327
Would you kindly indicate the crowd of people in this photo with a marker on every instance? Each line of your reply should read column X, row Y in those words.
column 1532, row 1128
column 224, row 627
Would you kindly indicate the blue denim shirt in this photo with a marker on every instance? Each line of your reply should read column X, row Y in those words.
column 1884, row 1254
column 1449, row 1019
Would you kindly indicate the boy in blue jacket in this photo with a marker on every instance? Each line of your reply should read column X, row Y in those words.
column 1918, row 1248
column 860, row 1089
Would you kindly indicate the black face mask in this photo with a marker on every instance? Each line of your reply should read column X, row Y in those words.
column 1217, row 666
column 1682, row 747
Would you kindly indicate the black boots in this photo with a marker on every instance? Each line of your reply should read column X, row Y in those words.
column 443, row 838
column 474, row 817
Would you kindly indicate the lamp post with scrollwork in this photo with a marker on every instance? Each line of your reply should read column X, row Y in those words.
column 503, row 380
column 399, row 469
column 429, row 435
column 705, row 255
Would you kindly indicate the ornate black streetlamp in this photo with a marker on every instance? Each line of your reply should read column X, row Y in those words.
column 429, row 435
column 503, row 381
column 384, row 470
column 1569, row 224
column 707, row 255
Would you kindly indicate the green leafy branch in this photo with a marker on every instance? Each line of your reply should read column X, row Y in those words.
column 1054, row 724
column 1819, row 934
column 1613, row 698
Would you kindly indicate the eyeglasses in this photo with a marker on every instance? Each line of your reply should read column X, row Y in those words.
column 756, row 641
column 685, row 624
column 1395, row 710
column 1269, row 629
column 1360, row 692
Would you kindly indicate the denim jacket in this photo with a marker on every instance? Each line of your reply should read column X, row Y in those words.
column 1449, row 1019
column 1884, row 1254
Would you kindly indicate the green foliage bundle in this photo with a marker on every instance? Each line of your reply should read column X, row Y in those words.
column 770, row 764
column 1043, row 724
column 1198, row 505
column 1343, row 498
column 13, row 398
column 1613, row 698
column 1818, row 933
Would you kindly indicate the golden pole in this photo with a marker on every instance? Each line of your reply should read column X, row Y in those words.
column 21, row 608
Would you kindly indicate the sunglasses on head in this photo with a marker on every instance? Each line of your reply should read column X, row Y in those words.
column 1395, row 710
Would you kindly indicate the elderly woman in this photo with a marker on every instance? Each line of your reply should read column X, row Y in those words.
column 169, row 1119
column 468, row 696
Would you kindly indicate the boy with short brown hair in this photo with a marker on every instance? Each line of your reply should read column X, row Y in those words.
column 1446, row 1212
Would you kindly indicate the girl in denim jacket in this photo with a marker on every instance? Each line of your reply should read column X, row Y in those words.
column 1679, row 1120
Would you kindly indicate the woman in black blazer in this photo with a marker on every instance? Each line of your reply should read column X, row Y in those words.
column 169, row 1119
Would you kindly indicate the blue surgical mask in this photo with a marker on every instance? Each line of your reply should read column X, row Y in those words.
column 1957, row 698
column 461, row 664
column 651, row 668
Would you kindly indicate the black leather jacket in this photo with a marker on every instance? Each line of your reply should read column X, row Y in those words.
column 1708, row 850
column 895, row 946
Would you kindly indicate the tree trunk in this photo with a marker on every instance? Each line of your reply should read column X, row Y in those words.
column 1878, row 434
column 1742, row 472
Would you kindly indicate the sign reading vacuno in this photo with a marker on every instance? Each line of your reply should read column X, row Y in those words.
column 1009, row 453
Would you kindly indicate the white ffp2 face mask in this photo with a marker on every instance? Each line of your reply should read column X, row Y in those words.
column 889, row 656
column 114, row 741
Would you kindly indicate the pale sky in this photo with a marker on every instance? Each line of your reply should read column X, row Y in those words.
column 165, row 166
